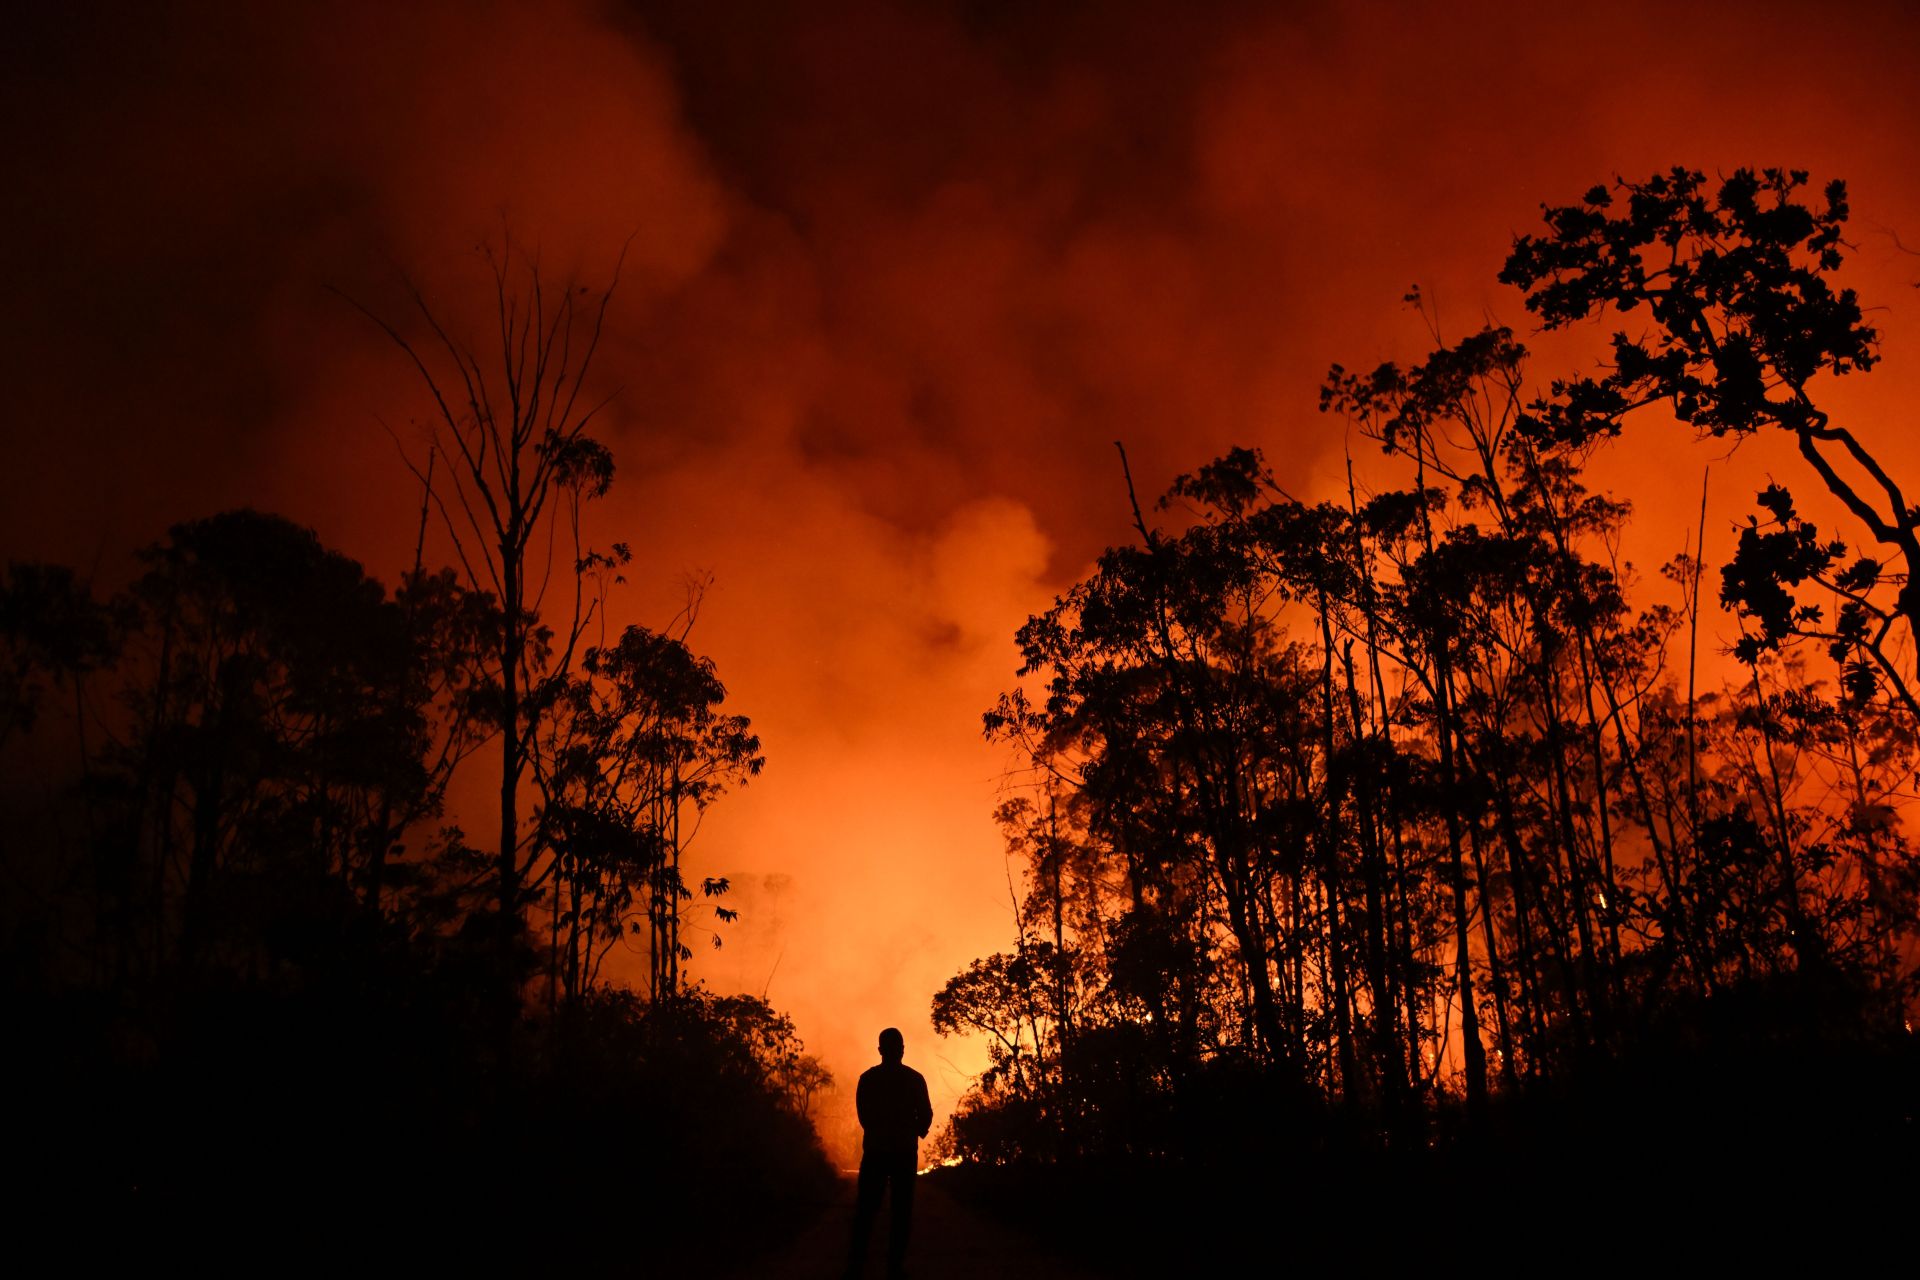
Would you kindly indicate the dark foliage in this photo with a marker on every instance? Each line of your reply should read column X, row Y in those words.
column 1379, row 845
column 250, row 967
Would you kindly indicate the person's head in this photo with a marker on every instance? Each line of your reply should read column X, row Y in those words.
column 893, row 1045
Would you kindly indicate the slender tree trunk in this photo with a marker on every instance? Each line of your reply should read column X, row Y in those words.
column 1496, row 977
column 1806, row 944
column 507, row 863
column 1379, row 962
column 1332, row 840
column 1560, row 785
column 674, row 884
column 208, row 795
column 1473, row 1052
column 553, row 944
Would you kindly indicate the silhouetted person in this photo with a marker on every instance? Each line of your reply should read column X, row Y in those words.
column 895, row 1113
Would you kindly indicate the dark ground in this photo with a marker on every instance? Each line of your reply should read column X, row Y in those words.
column 952, row 1240
column 1682, row 1215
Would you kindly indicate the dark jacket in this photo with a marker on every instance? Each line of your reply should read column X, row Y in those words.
column 894, row 1110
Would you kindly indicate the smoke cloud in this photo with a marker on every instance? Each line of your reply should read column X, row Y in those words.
column 895, row 279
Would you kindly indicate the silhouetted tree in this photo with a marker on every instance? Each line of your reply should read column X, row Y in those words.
column 279, row 737
column 1396, row 800
column 52, row 629
column 638, row 745
column 1737, row 281
column 512, row 421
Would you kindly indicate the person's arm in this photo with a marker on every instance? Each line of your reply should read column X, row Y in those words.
column 926, row 1106
column 861, row 1106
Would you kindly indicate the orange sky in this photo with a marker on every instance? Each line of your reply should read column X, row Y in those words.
column 899, row 276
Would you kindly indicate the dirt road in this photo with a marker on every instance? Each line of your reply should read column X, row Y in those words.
column 950, row 1242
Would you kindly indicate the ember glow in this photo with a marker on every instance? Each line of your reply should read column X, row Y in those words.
column 896, row 278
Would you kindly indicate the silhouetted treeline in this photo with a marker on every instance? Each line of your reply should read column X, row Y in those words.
column 1356, row 824
column 244, row 937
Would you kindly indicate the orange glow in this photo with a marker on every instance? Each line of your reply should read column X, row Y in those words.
column 896, row 282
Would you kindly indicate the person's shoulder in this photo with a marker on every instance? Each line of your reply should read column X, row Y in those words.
column 892, row 1071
